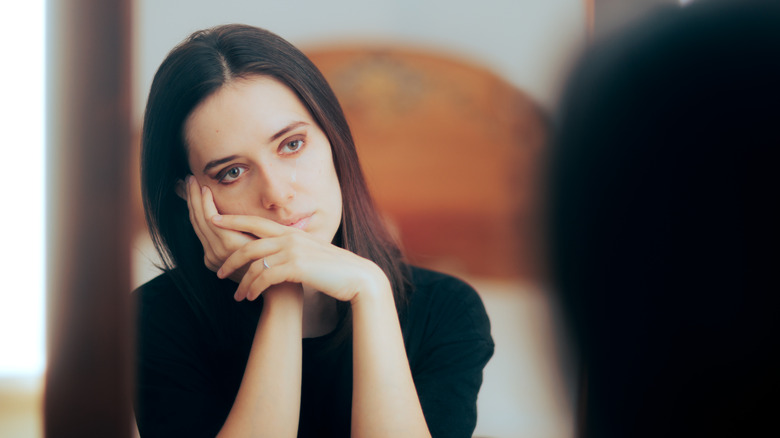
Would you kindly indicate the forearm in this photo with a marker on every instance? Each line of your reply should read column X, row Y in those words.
column 268, row 401
column 384, row 401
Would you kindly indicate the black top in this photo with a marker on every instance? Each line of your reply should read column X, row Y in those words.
column 189, row 373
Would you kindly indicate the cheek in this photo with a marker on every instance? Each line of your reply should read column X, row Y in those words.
column 315, row 168
column 319, row 175
column 305, row 171
column 229, row 202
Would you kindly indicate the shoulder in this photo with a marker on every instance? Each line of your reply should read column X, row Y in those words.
column 158, row 300
column 162, row 305
column 159, row 292
column 177, row 306
column 433, row 281
column 431, row 288
column 440, row 303
column 448, row 343
column 171, row 289
column 160, row 284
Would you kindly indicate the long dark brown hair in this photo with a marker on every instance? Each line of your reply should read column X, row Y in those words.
column 194, row 70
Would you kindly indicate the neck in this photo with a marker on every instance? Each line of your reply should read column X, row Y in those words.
column 320, row 316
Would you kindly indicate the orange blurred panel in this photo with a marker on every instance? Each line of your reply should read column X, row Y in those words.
column 450, row 152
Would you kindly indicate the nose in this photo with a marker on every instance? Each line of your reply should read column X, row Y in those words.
column 276, row 186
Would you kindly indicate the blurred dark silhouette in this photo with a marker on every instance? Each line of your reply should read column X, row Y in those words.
column 662, row 200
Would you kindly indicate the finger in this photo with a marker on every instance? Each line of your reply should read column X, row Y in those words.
column 256, row 285
column 227, row 240
column 209, row 208
column 201, row 224
column 191, row 193
column 255, row 250
column 260, row 227
column 198, row 193
column 256, row 280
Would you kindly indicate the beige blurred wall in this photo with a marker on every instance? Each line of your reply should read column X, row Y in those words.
column 527, row 42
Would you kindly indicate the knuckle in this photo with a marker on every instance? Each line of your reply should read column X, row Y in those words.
column 295, row 261
column 256, row 268
column 289, row 240
column 231, row 245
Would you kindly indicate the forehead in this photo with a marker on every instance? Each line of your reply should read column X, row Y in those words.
column 242, row 112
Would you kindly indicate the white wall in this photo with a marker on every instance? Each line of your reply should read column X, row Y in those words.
column 528, row 42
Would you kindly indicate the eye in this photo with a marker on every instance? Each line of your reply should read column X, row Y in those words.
column 292, row 147
column 231, row 174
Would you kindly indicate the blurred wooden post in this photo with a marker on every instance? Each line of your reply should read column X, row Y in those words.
column 88, row 376
column 589, row 17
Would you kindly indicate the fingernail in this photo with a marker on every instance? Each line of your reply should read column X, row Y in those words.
column 219, row 273
column 235, row 296
column 203, row 190
column 216, row 218
column 190, row 178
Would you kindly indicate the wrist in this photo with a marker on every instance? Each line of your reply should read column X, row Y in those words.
column 287, row 293
column 374, row 286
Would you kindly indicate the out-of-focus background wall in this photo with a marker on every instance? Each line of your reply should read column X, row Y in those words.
column 528, row 42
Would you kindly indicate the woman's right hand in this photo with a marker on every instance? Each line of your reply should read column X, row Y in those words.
column 218, row 243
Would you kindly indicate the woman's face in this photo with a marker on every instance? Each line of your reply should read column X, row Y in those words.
column 257, row 148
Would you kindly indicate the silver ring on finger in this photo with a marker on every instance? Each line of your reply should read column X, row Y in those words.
column 265, row 264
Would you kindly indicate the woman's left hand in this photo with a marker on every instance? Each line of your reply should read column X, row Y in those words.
column 292, row 255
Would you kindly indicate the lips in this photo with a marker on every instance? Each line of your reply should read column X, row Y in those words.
column 299, row 222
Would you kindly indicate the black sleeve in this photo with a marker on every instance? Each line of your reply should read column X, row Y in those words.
column 175, row 390
column 448, row 343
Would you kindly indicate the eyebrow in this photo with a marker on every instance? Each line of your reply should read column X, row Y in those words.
column 215, row 163
column 287, row 129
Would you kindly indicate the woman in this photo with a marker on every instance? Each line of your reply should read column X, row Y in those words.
column 285, row 308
